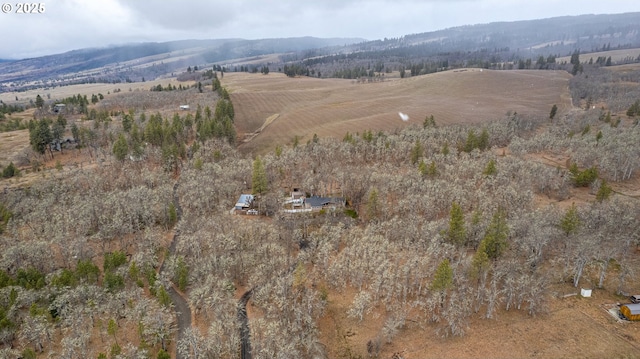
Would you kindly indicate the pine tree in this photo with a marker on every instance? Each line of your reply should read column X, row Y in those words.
column 571, row 222
column 445, row 149
column 457, row 233
column 443, row 277
column 575, row 61
column 491, row 169
column 483, row 140
column 416, row 152
column 554, row 110
column 121, row 148
column 39, row 101
column 472, row 141
column 429, row 121
column 604, row 191
column 40, row 136
column 259, row 177
column 495, row 239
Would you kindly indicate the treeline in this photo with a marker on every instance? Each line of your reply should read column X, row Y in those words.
column 9, row 109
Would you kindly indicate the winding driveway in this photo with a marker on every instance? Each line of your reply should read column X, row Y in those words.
column 181, row 306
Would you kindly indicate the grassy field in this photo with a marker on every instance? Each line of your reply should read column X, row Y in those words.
column 332, row 107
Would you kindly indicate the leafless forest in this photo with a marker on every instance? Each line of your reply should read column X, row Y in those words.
column 442, row 223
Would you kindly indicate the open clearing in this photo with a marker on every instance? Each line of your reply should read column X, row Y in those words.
column 332, row 107
column 575, row 327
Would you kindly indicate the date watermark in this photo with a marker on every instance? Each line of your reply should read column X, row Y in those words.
column 23, row 8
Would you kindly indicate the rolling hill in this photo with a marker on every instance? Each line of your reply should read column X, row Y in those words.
column 332, row 107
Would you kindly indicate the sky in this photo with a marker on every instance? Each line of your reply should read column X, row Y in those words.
column 58, row 26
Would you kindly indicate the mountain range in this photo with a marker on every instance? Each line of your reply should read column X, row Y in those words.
column 503, row 41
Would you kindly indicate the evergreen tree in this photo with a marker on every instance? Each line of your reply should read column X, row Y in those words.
column 416, row 152
column 483, row 140
column 457, row 233
column 40, row 136
column 571, row 222
column 75, row 132
column 259, row 177
column 575, row 61
column 554, row 110
column 58, row 128
column 121, row 148
column 429, row 121
column 39, row 102
column 10, row 171
column 472, row 141
column 432, row 170
column 604, row 192
column 491, row 169
column 443, row 277
column 495, row 239
column 445, row 149
column 422, row 168
column 127, row 122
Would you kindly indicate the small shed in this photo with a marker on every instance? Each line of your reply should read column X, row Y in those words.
column 631, row 311
column 245, row 201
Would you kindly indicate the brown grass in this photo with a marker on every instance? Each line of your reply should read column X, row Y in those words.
column 573, row 327
column 332, row 107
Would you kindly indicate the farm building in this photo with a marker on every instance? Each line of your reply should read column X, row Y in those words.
column 631, row 311
column 245, row 201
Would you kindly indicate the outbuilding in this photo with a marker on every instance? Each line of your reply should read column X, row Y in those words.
column 244, row 202
column 631, row 311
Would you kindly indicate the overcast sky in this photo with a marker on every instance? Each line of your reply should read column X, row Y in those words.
column 73, row 24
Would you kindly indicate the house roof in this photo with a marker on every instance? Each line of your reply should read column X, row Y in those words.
column 244, row 200
column 634, row 309
column 316, row 201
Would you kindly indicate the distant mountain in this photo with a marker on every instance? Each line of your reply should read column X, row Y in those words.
column 135, row 62
column 484, row 45
column 557, row 36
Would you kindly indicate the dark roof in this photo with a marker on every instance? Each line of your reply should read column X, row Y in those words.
column 316, row 201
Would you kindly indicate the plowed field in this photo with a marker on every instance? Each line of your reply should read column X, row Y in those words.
column 332, row 107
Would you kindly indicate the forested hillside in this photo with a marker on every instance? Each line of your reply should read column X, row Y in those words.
column 443, row 223
column 123, row 235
